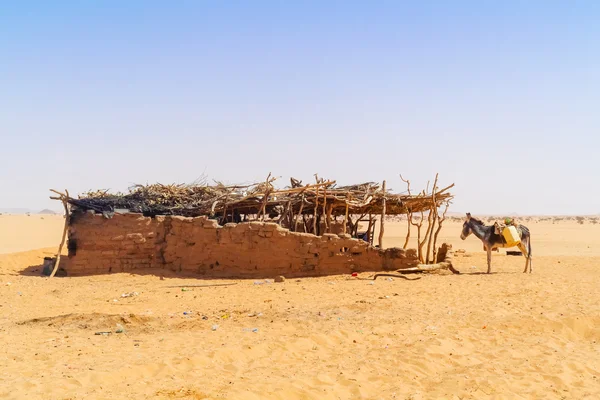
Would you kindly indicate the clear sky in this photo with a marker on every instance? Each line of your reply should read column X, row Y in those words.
column 500, row 97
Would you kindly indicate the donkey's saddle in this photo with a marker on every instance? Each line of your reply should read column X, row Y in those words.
column 498, row 228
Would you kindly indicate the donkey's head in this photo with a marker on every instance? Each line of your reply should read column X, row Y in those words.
column 466, row 230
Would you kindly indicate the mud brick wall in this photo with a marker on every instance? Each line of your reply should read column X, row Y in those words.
column 100, row 245
column 129, row 242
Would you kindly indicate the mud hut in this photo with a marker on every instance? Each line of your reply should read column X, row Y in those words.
column 254, row 230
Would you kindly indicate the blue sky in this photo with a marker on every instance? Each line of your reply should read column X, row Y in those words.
column 499, row 97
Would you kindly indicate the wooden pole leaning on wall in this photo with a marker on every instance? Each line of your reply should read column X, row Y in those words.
column 382, row 226
column 64, row 198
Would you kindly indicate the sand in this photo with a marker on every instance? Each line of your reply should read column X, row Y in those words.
column 506, row 335
column 22, row 232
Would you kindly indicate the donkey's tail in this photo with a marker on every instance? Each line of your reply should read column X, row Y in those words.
column 527, row 234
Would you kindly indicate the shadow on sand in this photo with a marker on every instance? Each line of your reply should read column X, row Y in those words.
column 44, row 269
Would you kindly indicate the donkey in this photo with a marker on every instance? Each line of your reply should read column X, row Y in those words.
column 491, row 240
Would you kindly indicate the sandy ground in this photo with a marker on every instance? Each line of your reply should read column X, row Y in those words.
column 22, row 233
column 506, row 335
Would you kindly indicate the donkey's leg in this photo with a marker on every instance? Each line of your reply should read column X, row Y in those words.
column 529, row 256
column 489, row 259
column 530, row 263
column 525, row 253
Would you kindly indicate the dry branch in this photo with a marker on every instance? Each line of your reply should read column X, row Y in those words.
column 431, row 218
column 320, row 200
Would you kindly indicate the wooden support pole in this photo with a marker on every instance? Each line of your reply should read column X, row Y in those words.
column 286, row 214
column 290, row 214
column 350, row 224
column 315, row 212
column 299, row 215
column 382, row 226
column 325, row 219
column 409, row 214
column 225, row 212
column 369, row 231
column 346, row 215
column 433, row 214
column 263, row 208
column 437, row 232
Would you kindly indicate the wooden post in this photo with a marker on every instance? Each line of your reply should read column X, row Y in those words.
column 263, row 208
column 409, row 215
column 433, row 213
column 286, row 214
column 346, row 215
column 290, row 215
column 350, row 223
column 315, row 212
column 328, row 217
column 369, row 236
column 437, row 232
column 326, row 220
column 299, row 215
column 382, row 218
column 64, row 235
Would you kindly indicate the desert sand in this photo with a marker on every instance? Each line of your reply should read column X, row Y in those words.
column 507, row 335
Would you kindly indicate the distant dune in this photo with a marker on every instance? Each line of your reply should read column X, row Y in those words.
column 47, row 212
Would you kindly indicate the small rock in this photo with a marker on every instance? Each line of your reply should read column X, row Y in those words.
column 280, row 279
